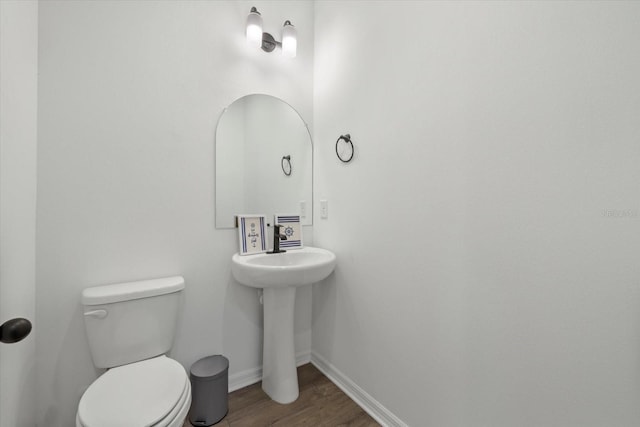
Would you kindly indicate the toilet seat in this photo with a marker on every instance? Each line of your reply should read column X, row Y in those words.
column 151, row 393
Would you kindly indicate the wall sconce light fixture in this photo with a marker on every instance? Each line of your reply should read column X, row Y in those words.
column 254, row 28
column 256, row 38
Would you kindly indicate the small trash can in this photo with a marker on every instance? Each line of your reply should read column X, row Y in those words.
column 209, row 390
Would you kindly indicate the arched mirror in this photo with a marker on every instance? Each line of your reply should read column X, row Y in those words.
column 264, row 161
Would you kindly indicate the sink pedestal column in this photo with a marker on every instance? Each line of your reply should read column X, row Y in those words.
column 279, row 375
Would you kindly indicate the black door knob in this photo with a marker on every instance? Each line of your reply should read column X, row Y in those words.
column 14, row 330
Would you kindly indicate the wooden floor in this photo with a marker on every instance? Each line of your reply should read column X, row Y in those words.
column 321, row 403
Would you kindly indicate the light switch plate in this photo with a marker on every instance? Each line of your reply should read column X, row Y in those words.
column 324, row 209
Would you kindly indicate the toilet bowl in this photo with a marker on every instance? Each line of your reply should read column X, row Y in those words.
column 153, row 393
column 130, row 326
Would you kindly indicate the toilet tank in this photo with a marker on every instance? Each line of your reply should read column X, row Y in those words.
column 129, row 322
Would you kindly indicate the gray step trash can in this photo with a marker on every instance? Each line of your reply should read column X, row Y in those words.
column 209, row 390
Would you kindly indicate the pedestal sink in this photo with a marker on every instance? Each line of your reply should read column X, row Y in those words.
column 279, row 275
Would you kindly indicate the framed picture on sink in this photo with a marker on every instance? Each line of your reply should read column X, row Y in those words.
column 290, row 230
column 252, row 233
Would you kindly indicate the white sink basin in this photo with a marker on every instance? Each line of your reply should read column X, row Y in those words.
column 296, row 267
column 279, row 275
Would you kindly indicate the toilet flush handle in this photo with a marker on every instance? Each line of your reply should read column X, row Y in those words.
column 100, row 314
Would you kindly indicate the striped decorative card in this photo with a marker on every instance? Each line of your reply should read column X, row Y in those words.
column 291, row 229
column 252, row 234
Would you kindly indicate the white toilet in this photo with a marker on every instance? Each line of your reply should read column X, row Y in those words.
column 130, row 327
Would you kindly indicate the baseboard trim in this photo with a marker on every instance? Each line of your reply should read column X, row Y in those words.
column 251, row 376
column 371, row 406
column 245, row 378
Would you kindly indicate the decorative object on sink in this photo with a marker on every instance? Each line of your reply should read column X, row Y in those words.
column 252, row 234
column 291, row 229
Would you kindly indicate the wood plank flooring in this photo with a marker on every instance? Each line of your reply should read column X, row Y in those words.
column 321, row 403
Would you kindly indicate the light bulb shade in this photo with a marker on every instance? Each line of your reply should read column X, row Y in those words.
column 289, row 40
column 254, row 28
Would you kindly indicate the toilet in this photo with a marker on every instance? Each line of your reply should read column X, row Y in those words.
column 130, row 327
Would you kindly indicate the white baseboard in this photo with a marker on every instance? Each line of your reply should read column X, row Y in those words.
column 245, row 378
column 251, row 376
column 371, row 406
column 303, row 358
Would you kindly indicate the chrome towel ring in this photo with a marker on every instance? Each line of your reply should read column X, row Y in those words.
column 285, row 163
column 345, row 155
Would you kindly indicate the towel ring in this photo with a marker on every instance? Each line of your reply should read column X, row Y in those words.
column 285, row 163
column 347, row 139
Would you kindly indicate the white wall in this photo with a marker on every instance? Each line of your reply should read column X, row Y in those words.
column 130, row 94
column 488, row 229
column 18, row 141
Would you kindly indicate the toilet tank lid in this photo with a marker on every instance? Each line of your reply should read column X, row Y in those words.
column 108, row 294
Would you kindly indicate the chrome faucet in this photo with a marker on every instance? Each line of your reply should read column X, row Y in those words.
column 276, row 240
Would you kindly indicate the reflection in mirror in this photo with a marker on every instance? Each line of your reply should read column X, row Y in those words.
column 255, row 135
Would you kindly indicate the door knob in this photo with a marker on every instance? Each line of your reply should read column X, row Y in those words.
column 14, row 330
